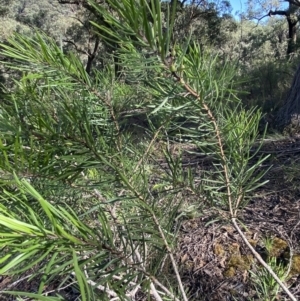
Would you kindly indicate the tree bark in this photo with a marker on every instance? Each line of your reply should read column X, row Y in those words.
column 292, row 22
column 288, row 117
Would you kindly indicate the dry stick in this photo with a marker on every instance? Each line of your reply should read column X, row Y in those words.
column 225, row 169
column 153, row 280
column 154, row 292
column 163, row 288
column 262, row 262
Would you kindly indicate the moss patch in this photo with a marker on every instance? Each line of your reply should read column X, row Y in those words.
column 279, row 246
column 219, row 250
column 295, row 268
column 230, row 272
column 238, row 263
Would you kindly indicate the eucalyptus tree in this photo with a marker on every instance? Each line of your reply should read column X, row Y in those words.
column 287, row 117
column 83, row 205
column 268, row 8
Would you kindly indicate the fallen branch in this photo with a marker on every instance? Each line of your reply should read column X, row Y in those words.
column 261, row 261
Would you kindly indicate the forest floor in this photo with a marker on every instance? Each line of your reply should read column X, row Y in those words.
column 214, row 260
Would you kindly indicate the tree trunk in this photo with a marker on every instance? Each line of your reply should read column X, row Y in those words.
column 288, row 117
column 292, row 22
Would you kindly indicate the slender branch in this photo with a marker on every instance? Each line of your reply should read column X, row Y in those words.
column 76, row 47
column 261, row 261
column 278, row 12
column 92, row 55
column 218, row 134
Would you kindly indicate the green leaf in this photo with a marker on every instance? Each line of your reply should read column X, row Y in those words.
column 84, row 290
column 160, row 106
